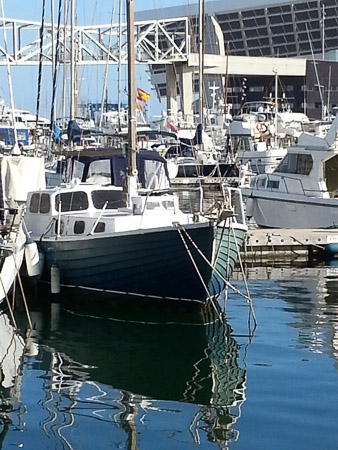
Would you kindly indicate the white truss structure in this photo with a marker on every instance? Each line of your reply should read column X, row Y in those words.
column 156, row 42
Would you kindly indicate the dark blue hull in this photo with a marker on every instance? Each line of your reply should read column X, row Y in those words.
column 150, row 263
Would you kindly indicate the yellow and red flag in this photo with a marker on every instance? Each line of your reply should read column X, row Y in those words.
column 142, row 95
column 138, row 106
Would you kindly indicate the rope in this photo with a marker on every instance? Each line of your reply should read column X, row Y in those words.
column 196, row 268
column 40, row 71
column 23, row 295
column 227, row 283
column 245, row 281
column 192, row 259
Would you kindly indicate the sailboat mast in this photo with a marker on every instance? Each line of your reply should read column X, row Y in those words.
column 276, row 107
column 201, row 59
column 72, row 61
column 119, row 68
column 131, row 90
column 9, row 76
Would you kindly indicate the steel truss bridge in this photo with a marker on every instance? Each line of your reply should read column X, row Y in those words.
column 156, row 42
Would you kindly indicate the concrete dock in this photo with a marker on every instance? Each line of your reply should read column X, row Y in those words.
column 280, row 244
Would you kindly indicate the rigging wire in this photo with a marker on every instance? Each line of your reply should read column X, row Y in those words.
column 38, row 97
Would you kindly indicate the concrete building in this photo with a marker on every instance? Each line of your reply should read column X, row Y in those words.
column 297, row 40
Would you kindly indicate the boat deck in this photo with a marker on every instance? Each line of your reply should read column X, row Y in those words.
column 263, row 244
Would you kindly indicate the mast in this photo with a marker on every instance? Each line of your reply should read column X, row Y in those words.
column 201, row 58
column 119, row 69
column 10, row 87
column 72, row 61
column 104, row 88
column 276, row 106
column 131, row 157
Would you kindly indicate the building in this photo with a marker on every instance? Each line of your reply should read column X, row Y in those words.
column 264, row 31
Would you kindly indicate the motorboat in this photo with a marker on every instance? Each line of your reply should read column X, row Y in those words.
column 302, row 192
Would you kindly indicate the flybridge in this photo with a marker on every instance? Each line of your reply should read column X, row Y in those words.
column 156, row 42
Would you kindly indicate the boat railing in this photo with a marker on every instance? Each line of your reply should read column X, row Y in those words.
column 10, row 220
column 235, row 202
column 271, row 179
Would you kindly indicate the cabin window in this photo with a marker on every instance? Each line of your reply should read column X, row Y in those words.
column 153, row 205
column 113, row 197
column 39, row 203
column 78, row 168
column 261, row 182
column 155, row 175
column 34, row 204
column 273, row 184
column 99, row 172
column 100, row 227
column 71, row 201
column 331, row 174
column 44, row 204
column 62, row 226
column 79, row 227
column 168, row 204
column 296, row 163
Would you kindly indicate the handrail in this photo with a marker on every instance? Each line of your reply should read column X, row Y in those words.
column 284, row 178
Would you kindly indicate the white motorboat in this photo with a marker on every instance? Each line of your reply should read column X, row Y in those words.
column 302, row 192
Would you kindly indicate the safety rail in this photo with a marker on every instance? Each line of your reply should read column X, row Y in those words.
column 283, row 178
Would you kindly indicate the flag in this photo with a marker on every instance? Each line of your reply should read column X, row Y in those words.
column 142, row 95
column 172, row 127
column 138, row 106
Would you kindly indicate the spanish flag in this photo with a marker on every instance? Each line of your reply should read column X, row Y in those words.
column 142, row 95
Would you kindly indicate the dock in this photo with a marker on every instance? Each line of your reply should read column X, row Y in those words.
column 263, row 244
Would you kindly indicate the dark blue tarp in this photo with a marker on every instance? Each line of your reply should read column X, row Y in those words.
column 118, row 164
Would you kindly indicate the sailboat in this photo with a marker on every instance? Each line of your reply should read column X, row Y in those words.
column 18, row 175
column 129, row 236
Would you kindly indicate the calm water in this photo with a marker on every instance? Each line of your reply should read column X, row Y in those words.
column 97, row 378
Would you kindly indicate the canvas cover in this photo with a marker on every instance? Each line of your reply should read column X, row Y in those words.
column 20, row 175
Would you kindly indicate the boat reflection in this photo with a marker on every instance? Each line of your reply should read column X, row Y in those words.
column 129, row 373
column 11, row 353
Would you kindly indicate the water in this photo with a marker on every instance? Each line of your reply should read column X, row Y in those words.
column 99, row 377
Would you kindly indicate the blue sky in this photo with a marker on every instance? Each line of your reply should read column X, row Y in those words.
column 89, row 12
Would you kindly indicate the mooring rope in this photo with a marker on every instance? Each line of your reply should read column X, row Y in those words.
column 197, row 270
column 249, row 299
column 227, row 283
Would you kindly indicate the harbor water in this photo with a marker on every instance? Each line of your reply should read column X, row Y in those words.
column 149, row 378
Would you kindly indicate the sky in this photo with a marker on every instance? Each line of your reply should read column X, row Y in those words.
column 89, row 12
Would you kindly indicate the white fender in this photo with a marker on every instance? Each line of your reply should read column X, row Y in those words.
column 55, row 279
column 32, row 258
column 250, row 206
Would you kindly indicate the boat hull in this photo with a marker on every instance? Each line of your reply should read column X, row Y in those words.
column 113, row 263
column 292, row 211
